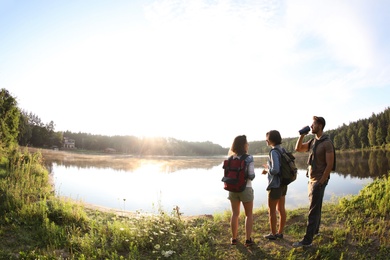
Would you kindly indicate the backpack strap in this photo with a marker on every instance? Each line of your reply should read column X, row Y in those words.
column 243, row 157
column 310, row 142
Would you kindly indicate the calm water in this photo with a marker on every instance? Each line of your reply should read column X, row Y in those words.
column 192, row 183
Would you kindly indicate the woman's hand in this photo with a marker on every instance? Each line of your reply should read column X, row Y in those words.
column 265, row 170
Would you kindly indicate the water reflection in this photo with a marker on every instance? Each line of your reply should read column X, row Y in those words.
column 357, row 164
column 193, row 183
column 166, row 164
column 360, row 164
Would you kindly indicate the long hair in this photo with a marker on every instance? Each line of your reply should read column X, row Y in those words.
column 238, row 146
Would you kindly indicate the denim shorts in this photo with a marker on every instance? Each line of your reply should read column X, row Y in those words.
column 244, row 196
column 277, row 193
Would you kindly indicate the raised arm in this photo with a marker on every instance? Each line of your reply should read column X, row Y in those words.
column 300, row 146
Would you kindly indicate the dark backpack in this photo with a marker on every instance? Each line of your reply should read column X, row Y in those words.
column 288, row 170
column 235, row 173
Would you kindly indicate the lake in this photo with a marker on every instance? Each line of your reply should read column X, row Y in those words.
column 150, row 184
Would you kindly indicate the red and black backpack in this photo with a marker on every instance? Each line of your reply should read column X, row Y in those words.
column 235, row 173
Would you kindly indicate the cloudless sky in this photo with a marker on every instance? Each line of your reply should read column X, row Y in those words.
column 196, row 70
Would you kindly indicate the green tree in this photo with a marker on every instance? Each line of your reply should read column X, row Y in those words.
column 9, row 119
column 25, row 130
column 337, row 142
column 371, row 134
column 345, row 142
column 380, row 138
column 388, row 135
column 56, row 139
column 39, row 135
column 32, row 131
column 363, row 134
column 352, row 142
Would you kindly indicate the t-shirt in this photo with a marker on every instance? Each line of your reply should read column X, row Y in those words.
column 326, row 146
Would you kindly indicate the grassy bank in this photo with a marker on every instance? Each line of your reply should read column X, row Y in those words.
column 34, row 224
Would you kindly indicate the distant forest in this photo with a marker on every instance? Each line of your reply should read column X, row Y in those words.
column 29, row 130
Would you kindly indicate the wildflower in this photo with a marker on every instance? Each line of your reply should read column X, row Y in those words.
column 157, row 247
column 167, row 253
column 121, row 229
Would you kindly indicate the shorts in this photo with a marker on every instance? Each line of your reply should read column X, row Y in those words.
column 277, row 193
column 244, row 196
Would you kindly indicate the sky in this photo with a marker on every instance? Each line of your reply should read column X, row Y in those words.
column 196, row 70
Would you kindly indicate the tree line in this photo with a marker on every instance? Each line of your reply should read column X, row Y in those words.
column 19, row 127
column 26, row 129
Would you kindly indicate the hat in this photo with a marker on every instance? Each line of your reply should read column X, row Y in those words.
column 320, row 120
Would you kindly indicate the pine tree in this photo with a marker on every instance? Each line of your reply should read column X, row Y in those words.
column 380, row 138
column 371, row 134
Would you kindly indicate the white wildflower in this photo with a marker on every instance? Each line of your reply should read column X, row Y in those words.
column 167, row 253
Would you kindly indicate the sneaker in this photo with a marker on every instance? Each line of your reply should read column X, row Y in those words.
column 233, row 242
column 301, row 244
column 279, row 236
column 270, row 236
column 249, row 242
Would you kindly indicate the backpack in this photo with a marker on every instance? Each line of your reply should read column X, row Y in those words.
column 235, row 173
column 288, row 170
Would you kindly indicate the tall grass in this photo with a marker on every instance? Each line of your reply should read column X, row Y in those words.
column 367, row 218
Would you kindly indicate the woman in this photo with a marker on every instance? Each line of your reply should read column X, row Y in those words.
column 276, row 191
column 240, row 147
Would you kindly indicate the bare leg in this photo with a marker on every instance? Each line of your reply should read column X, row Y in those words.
column 248, row 206
column 282, row 214
column 272, row 214
column 234, row 219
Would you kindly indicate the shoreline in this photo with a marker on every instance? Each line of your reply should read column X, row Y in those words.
column 131, row 214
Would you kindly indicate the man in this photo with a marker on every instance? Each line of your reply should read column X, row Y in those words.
column 321, row 162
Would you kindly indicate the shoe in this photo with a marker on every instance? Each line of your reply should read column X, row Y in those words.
column 270, row 236
column 301, row 244
column 279, row 236
column 233, row 242
column 249, row 242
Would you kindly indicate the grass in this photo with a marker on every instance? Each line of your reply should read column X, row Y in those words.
column 35, row 224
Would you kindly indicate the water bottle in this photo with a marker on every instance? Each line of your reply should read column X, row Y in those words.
column 305, row 130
